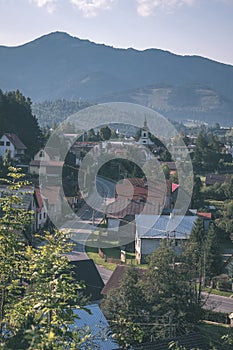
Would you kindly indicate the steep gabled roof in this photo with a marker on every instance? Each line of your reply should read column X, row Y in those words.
column 15, row 140
column 116, row 277
column 51, row 193
column 38, row 200
column 86, row 271
column 211, row 179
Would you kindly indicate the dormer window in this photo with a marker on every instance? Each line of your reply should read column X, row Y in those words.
column 8, row 143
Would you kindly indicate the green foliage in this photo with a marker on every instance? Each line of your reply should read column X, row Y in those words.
column 166, row 171
column 207, row 154
column 196, row 201
column 155, row 305
column 16, row 117
column 105, row 133
column 124, row 308
column 203, row 253
column 38, row 293
column 176, row 346
column 213, row 257
column 224, row 221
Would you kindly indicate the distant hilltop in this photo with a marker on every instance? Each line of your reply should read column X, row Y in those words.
column 58, row 65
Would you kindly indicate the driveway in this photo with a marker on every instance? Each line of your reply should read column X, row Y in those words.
column 218, row 303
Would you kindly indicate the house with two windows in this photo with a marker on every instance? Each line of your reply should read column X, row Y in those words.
column 12, row 143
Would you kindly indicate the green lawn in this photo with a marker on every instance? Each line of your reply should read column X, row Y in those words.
column 218, row 292
column 114, row 253
column 94, row 255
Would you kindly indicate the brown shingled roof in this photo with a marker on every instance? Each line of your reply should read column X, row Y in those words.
column 13, row 138
column 211, row 179
column 116, row 277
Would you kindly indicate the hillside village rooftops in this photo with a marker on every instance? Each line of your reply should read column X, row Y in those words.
column 139, row 189
column 123, row 207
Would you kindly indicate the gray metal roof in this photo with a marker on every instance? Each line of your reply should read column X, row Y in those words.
column 159, row 226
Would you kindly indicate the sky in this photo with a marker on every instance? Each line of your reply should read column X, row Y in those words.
column 186, row 27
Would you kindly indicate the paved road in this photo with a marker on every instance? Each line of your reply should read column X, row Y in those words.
column 218, row 303
column 105, row 187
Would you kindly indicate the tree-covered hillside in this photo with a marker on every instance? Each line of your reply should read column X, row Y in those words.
column 49, row 113
column 16, row 117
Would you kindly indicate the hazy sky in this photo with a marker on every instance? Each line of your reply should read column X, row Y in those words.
column 200, row 27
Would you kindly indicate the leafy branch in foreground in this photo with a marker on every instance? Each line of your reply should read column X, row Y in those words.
column 38, row 294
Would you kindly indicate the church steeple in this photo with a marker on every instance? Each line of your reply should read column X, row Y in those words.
column 145, row 127
column 145, row 138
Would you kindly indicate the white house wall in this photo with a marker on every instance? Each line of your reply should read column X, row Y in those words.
column 4, row 148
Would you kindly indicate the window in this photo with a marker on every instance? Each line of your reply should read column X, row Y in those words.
column 144, row 134
column 44, row 215
column 1, row 143
column 8, row 143
column 41, row 155
column 40, row 216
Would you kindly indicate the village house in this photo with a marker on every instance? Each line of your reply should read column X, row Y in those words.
column 212, row 179
column 152, row 229
column 32, row 200
column 180, row 152
column 135, row 196
column 46, row 162
column 12, row 143
column 39, row 207
column 53, row 200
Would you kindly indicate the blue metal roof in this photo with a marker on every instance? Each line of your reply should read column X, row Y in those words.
column 95, row 323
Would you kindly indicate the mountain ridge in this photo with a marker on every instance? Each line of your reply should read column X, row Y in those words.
column 58, row 65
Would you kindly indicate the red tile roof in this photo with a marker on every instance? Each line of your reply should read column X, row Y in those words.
column 134, row 195
column 137, row 189
column 38, row 200
column 123, row 207
column 204, row 215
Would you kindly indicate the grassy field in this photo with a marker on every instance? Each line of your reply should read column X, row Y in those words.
column 94, row 255
column 218, row 292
